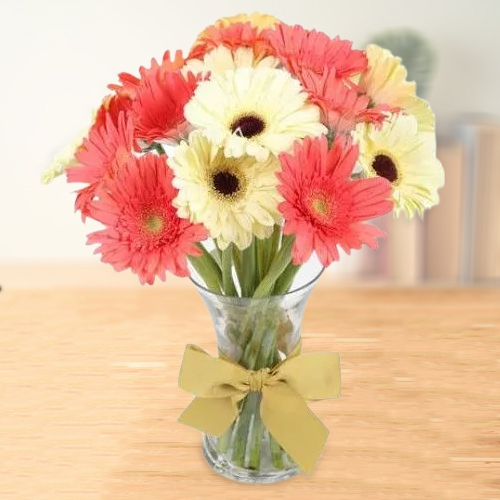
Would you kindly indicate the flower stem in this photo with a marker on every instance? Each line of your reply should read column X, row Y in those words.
column 227, row 272
column 284, row 282
column 208, row 269
column 278, row 266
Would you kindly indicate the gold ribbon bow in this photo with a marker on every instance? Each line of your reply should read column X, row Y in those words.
column 219, row 385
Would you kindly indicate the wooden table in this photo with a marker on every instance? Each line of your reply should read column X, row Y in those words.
column 89, row 396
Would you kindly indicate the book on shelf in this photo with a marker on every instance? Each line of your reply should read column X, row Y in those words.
column 442, row 224
column 480, row 241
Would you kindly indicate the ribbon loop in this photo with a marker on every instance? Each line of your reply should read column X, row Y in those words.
column 220, row 384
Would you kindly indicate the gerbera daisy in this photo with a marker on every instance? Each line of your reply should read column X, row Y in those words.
column 299, row 49
column 112, row 105
column 234, row 198
column 406, row 158
column 253, row 111
column 143, row 231
column 385, row 83
column 237, row 31
column 106, row 148
column 256, row 19
column 65, row 158
column 342, row 106
column 222, row 58
column 130, row 83
column 323, row 208
column 158, row 109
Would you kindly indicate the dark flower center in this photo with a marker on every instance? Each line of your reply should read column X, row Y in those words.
column 226, row 183
column 248, row 126
column 385, row 167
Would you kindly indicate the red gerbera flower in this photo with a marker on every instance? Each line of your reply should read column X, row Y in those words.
column 323, row 207
column 105, row 149
column 232, row 36
column 342, row 106
column 143, row 231
column 158, row 108
column 298, row 48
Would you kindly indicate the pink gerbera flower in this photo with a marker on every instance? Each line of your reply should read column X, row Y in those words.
column 323, row 207
column 342, row 106
column 143, row 231
column 107, row 147
column 158, row 108
column 298, row 49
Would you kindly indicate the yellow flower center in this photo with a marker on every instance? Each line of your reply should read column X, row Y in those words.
column 154, row 224
column 321, row 206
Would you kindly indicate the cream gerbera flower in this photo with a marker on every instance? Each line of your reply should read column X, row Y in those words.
column 253, row 111
column 405, row 157
column 385, row 83
column 234, row 198
column 222, row 58
column 260, row 21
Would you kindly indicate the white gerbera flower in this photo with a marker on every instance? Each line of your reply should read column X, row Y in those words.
column 406, row 157
column 65, row 158
column 254, row 111
column 234, row 198
column 221, row 59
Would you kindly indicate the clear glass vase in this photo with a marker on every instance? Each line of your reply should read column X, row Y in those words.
column 255, row 333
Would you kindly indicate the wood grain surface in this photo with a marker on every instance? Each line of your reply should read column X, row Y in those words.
column 89, row 397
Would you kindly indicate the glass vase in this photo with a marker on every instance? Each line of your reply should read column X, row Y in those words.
column 255, row 333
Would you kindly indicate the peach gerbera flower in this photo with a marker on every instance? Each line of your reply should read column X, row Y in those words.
column 143, row 231
column 323, row 208
column 232, row 35
column 106, row 148
column 256, row 19
column 342, row 107
column 299, row 49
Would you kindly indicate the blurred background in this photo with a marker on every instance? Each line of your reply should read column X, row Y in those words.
column 58, row 57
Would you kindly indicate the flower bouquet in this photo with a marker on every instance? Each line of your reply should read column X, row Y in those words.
column 246, row 165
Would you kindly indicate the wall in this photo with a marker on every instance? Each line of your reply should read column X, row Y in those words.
column 57, row 58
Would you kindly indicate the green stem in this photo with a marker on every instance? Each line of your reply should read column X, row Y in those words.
column 242, row 429
column 227, row 272
column 284, row 282
column 260, row 259
column 276, row 450
column 255, row 440
column 217, row 255
column 275, row 242
column 245, row 269
column 208, row 269
column 224, row 441
column 278, row 266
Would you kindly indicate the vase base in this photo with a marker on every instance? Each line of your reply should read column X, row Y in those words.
column 227, row 469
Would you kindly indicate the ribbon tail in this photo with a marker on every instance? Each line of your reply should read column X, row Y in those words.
column 212, row 416
column 294, row 426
